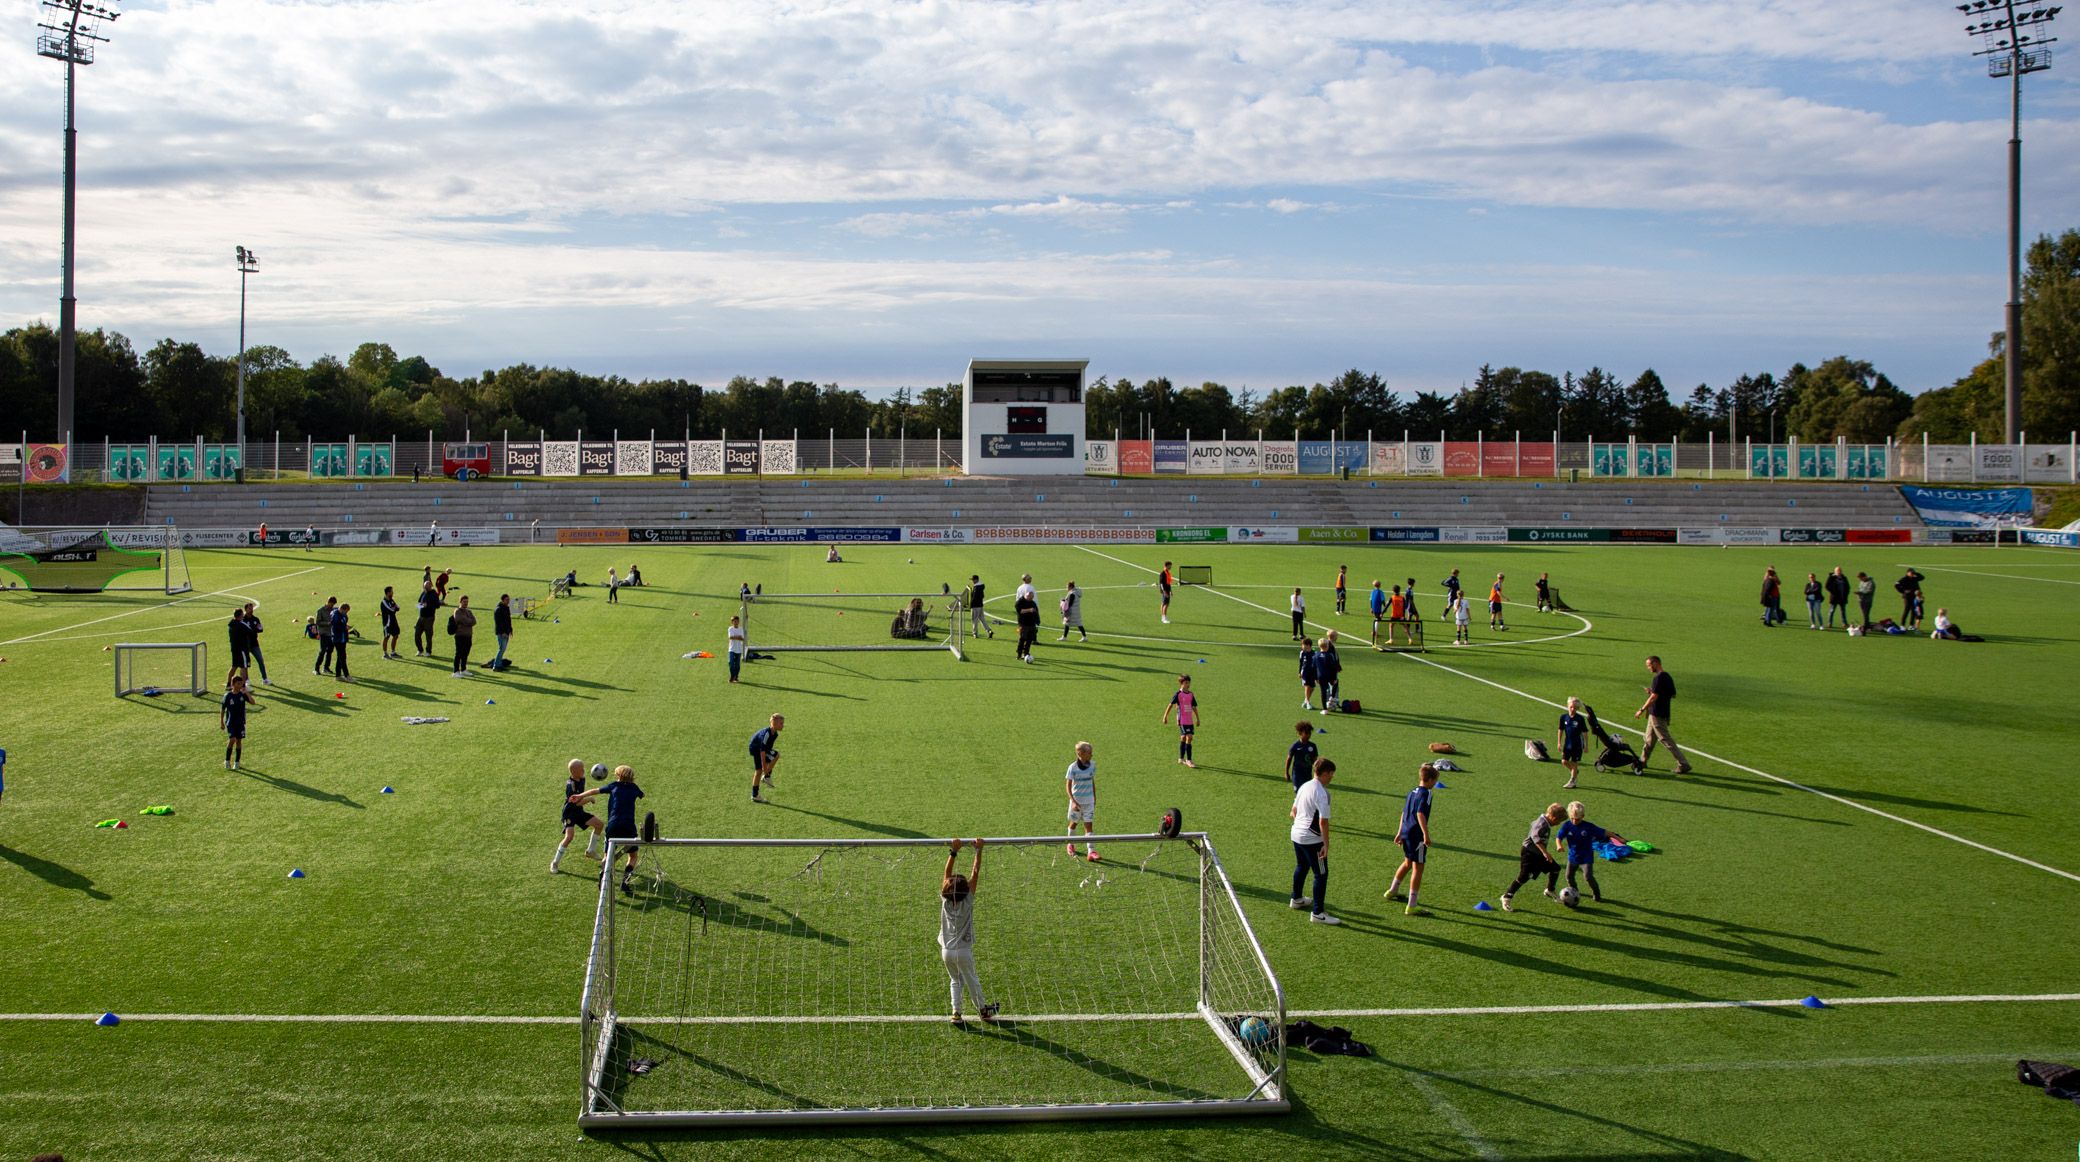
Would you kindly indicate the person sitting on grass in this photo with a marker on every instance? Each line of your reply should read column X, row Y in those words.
column 1946, row 630
column 910, row 621
column 832, row 558
column 957, row 932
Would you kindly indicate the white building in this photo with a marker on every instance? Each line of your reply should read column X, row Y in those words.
column 1023, row 417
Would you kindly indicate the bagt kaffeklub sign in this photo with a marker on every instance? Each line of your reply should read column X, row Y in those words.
column 1028, row 446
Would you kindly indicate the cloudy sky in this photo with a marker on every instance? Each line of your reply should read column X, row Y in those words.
column 1258, row 192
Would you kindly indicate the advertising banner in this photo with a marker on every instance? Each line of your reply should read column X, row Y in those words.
column 523, row 459
column 1350, row 454
column 560, row 458
column 596, row 458
column 1537, row 459
column 1817, row 461
column 2052, row 463
column 1243, row 456
column 1281, row 458
column 667, row 457
column 1406, row 534
column 1137, row 457
column 778, row 457
column 1948, row 463
column 217, row 538
column 376, row 459
column 1999, row 463
column 1318, row 535
column 814, row 533
column 590, row 536
column 938, row 536
column 1317, row 458
column 1047, row 534
column 1473, row 536
column 1643, row 536
column 1970, row 508
column 633, row 458
column 221, row 461
column 1025, row 446
column 1963, row 537
column 1866, row 462
column 1425, row 458
column 1172, row 456
column 704, row 458
column 1098, row 458
column 351, row 538
column 1497, row 459
column 126, row 462
column 177, row 461
column 740, row 457
column 10, row 463
column 2051, row 538
column 417, row 536
column 1724, row 535
column 1769, row 461
column 1462, row 458
column 1282, row 535
column 1657, row 459
column 1561, row 535
column 680, row 535
column 1881, row 536
column 49, row 464
column 1189, row 536
column 1704, row 536
column 1812, row 536
column 1389, row 459
column 1206, row 458
column 1610, row 460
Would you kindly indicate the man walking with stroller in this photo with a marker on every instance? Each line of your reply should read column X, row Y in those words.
column 1661, row 697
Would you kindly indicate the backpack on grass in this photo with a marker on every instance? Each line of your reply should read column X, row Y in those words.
column 1535, row 750
column 1333, row 1041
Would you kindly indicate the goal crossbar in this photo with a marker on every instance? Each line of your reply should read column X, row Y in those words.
column 1225, row 967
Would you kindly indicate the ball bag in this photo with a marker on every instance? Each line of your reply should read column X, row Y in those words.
column 1173, row 822
column 649, row 827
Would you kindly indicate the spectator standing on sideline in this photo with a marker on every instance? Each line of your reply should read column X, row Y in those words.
column 241, row 642
column 463, row 624
column 1772, row 597
column 321, row 629
column 736, row 648
column 340, row 630
column 422, row 630
column 1414, row 838
column 262, row 538
column 1660, row 704
column 1816, row 596
column 1301, row 755
column 391, row 630
column 1164, row 581
column 1866, row 590
column 501, row 628
column 1072, row 613
column 1299, row 612
column 1342, row 580
column 433, row 534
column 1027, row 611
column 1909, row 589
column 1837, row 587
column 976, row 617
column 253, row 624
column 310, row 537
column 1310, row 835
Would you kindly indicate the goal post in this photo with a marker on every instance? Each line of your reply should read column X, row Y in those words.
column 774, row 981
column 95, row 560
column 161, row 668
column 853, row 622
column 1195, row 574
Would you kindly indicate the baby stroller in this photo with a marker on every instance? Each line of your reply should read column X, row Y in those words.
column 1617, row 754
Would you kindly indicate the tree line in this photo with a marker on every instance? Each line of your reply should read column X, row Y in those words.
column 178, row 390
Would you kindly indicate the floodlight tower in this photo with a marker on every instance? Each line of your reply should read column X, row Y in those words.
column 248, row 263
column 69, row 31
column 2015, row 39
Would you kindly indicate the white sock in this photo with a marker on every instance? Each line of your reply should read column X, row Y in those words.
column 560, row 849
column 591, row 837
column 1395, row 886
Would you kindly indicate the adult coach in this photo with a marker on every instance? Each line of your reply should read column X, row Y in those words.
column 1310, row 835
column 501, row 628
column 241, row 643
column 1661, row 698
column 463, row 624
column 422, row 630
column 254, row 625
column 391, row 630
column 977, row 617
column 1837, row 586
column 765, row 754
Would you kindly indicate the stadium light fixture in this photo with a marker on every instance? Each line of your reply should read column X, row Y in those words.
column 2015, row 39
column 68, row 32
column 248, row 263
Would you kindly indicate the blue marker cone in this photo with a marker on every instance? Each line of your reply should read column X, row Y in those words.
column 389, row 790
column 490, row 702
column 1482, row 907
column 295, row 873
column 108, row 1019
column 1202, row 661
column 547, row 661
column 1813, row 1003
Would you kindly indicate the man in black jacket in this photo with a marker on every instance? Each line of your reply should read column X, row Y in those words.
column 1837, row 597
column 1909, row 590
column 422, row 631
column 241, row 635
column 501, row 628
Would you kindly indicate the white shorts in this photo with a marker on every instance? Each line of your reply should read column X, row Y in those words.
column 1082, row 812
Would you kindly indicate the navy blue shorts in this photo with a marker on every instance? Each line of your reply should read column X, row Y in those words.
column 1414, row 848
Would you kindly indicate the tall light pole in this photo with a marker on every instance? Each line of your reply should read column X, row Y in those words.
column 69, row 31
column 248, row 263
column 2015, row 39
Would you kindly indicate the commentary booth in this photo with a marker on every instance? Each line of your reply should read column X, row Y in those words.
column 1023, row 417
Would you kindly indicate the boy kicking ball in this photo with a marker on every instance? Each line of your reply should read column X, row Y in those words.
column 1414, row 838
column 1533, row 858
column 1581, row 838
column 576, row 818
column 1081, row 782
column 1186, row 704
column 232, row 721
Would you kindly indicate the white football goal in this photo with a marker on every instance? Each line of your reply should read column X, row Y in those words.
column 95, row 560
column 823, row 622
column 754, row 981
column 161, row 668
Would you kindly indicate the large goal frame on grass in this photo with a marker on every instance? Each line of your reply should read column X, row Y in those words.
column 71, row 559
column 797, row 981
column 778, row 623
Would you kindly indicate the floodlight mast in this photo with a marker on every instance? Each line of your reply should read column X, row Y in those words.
column 248, row 263
column 2016, row 39
column 69, row 31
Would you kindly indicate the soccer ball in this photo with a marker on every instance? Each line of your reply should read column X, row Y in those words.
column 599, row 772
column 1569, row 898
column 1256, row 1032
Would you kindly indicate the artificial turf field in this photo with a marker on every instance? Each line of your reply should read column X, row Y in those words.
column 435, row 901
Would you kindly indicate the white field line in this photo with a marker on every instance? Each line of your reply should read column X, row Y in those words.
column 2005, row 576
column 1036, row 1018
column 1843, row 800
column 1442, row 1106
column 1771, row 1065
column 162, row 605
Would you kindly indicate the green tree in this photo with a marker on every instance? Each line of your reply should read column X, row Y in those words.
column 1646, row 406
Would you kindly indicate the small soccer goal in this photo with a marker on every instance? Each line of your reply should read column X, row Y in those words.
column 1398, row 635
column 161, row 668
column 95, row 560
column 751, row 981
column 1195, row 574
column 821, row 622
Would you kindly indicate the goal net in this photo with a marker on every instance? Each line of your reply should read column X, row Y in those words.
column 751, row 981
column 95, row 560
column 1195, row 574
column 161, row 668
column 803, row 622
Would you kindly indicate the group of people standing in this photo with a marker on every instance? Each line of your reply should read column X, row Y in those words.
column 1833, row 592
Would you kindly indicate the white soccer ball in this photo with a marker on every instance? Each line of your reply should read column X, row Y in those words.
column 599, row 772
column 1569, row 898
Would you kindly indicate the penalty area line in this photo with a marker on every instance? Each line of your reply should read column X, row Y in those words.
column 162, row 605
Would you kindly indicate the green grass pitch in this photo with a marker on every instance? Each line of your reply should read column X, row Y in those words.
column 436, row 900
